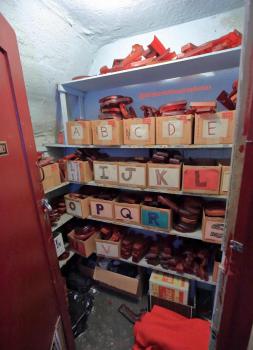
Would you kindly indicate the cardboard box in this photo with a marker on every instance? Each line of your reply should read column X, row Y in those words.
column 52, row 176
column 225, row 179
column 101, row 208
column 84, row 248
column 139, row 131
column 169, row 287
column 77, row 206
column 165, row 176
column 79, row 132
column 201, row 179
column 185, row 310
column 214, row 128
column 174, row 130
column 127, row 212
column 132, row 174
column 79, row 171
column 105, row 172
column 108, row 248
column 116, row 281
column 157, row 218
column 212, row 228
column 107, row 132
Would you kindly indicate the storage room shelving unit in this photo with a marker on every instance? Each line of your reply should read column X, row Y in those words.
column 213, row 62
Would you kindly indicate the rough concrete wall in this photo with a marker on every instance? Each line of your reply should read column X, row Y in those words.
column 51, row 52
column 197, row 32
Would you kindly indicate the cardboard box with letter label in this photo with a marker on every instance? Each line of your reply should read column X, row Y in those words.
column 158, row 218
column 79, row 132
column 102, row 208
column 105, row 172
column 77, row 206
column 139, row 131
column 127, row 212
column 79, row 171
column 132, row 174
column 107, row 132
column 176, row 130
column 212, row 228
column 164, row 176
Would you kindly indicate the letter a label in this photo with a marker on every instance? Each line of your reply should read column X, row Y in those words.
column 77, row 132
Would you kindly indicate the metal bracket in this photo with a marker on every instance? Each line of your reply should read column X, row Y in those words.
column 236, row 246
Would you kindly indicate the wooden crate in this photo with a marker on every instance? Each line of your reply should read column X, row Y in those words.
column 132, row 174
column 174, row 130
column 214, row 128
column 212, row 228
column 139, row 131
column 107, row 132
column 79, row 132
column 105, row 172
column 127, row 212
column 77, row 206
column 79, row 171
column 201, row 179
column 157, row 218
column 101, row 208
column 52, row 176
column 164, row 176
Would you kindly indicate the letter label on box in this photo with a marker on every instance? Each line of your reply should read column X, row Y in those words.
column 73, row 207
column 173, row 128
column 104, row 132
column 126, row 213
column 204, row 179
column 214, row 230
column 73, row 171
column 132, row 175
column 215, row 128
column 128, row 176
column 153, row 218
column 107, row 249
column 106, row 172
column 77, row 132
column 159, row 219
column 99, row 208
column 139, row 132
column 164, row 177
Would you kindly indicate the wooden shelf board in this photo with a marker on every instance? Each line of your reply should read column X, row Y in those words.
column 64, row 218
column 58, row 145
column 63, row 184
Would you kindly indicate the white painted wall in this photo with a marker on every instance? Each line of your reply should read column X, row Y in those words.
column 51, row 52
column 197, row 32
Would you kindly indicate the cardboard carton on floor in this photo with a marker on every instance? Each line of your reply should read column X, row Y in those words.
column 157, row 218
column 201, row 179
column 165, row 176
column 212, row 228
column 101, row 208
column 116, row 281
column 214, row 128
column 105, row 172
column 79, row 132
column 79, row 171
column 84, row 248
column 132, row 174
column 77, row 206
column 127, row 212
column 139, row 131
column 169, row 287
column 174, row 130
column 185, row 310
column 52, row 176
column 107, row 132
column 108, row 248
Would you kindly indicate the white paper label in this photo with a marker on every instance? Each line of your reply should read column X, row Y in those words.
column 77, row 132
column 225, row 182
column 102, row 209
column 104, row 132
column 162, row 177
column 73, row 207
column 106, row 172
column 107, row 249
column 215, row 128
column 139, row 132
column 59, row 245
column 126, row 213
column 132, row 175
column 172, row 128
column 73, row 171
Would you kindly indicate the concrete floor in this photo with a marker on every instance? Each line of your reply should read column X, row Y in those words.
column 107, row 328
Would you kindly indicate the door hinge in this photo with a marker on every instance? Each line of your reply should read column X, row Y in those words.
column 236, row 246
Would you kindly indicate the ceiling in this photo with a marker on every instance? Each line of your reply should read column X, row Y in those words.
column 102, row 22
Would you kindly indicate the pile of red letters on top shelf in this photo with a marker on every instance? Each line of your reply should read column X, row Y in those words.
column 157, row 53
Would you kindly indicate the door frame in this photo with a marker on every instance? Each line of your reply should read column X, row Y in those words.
column 233, row 311
column 9, row 47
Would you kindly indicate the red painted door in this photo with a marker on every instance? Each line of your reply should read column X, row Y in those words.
column 32, row 293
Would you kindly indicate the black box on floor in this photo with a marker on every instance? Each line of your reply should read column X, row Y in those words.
column 185, row 310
